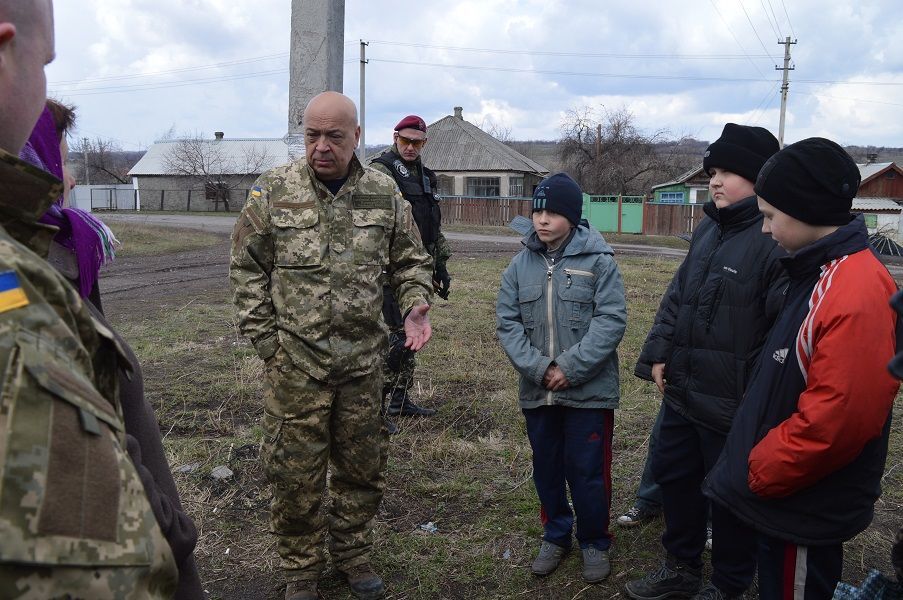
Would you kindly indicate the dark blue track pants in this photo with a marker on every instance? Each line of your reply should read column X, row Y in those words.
column 572, row 446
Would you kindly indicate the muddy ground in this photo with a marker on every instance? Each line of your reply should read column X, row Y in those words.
column 150, row 285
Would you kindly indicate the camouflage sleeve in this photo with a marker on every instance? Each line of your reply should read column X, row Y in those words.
column 381, row 168
column 250, row 266
column 410, row 267
column 441, row 252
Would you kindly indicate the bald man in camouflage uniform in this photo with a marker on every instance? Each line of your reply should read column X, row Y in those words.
column 74, row 518
column 307, row 254
column 418, row 186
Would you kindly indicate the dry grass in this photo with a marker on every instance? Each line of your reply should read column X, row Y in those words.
column 139, row 239
column 466, row 470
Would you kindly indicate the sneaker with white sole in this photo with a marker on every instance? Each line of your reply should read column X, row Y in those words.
column 635, row 516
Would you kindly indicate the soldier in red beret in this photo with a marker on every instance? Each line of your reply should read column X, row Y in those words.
column 418, row 186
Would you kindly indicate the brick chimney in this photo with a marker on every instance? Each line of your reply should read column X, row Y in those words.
column 218, row 135
column 459, row 112
column 871, row 158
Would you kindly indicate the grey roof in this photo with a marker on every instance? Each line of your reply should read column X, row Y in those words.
column 235, row 152
column 456, row 145
column 876, row 204
column 686, row 176
column 869, row 170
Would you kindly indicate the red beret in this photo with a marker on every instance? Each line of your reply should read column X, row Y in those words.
column 411, row 122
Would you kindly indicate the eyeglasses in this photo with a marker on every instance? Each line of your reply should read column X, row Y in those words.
column 409, row 142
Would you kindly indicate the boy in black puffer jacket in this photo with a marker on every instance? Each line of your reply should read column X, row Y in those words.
column 700, row 352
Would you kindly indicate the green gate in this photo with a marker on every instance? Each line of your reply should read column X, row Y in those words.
column 613, row 213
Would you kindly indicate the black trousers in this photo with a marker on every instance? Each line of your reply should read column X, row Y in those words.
column 684, row 455
column 791, row 572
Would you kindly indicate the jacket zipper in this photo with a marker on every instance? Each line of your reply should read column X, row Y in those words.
column 570, row 272
column 549, row 318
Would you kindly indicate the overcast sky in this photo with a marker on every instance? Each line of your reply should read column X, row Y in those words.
column 137, row 68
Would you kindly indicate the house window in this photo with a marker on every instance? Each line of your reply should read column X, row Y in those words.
column 671, row 197
column 516, row 186
column 446, row 185
column 702, row 196
column 890, row 175
column 483, row 186
column 871, row 221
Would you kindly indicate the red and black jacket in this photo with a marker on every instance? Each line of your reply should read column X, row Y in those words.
column 805, row 455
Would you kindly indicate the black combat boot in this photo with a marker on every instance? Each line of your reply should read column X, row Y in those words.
column 301, row 590
column 364, row 583
column 672, row 579
column 400, row 404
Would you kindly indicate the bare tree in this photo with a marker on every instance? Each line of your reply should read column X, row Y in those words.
column 104, row 160
column 496, row 130
column 608, row 154
column 215, row 166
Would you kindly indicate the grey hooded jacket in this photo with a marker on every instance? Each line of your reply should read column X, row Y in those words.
column 570, row 311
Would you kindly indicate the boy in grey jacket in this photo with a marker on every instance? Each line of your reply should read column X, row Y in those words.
column 560, row 316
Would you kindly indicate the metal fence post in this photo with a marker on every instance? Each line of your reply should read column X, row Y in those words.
column 188, row 207
column 161, row 199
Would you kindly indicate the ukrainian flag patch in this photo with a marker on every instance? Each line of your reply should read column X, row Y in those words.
column 12, row 295
column 256, row 191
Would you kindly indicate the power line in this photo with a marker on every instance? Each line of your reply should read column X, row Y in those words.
column 754, row 29
column 574, row 54
column 775, row 17
column 789, row 24
column 157, row 86
column 726, row 24
column 851, row 99
column 172, row 71
column 754, row 118
column 768, row 18
column 574, row 73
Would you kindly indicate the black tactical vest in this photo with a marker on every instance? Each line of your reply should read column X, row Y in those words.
column 420, row 192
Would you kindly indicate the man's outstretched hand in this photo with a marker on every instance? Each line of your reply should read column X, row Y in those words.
column 417, row 327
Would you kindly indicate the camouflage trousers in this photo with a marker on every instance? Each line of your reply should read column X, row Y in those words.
column 398, row 374
column 309, row 425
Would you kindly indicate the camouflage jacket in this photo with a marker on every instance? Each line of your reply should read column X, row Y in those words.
column 306, row 268
column 74, row 518
column 440, row 251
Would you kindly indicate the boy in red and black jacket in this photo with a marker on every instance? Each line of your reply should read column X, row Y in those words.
column 805, row 455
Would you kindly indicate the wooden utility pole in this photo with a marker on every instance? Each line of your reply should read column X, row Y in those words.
column 316, row 60
column 785, row 85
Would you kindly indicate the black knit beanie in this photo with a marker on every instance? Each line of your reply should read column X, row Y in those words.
column 560, row 194
column 813, row 180
column 741, row 149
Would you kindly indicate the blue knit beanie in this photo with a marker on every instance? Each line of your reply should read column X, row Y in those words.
column 559, row 194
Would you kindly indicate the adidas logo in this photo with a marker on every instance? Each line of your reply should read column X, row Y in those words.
column 780, row 355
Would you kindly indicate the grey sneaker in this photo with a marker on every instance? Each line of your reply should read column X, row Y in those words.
column 672, row 579
column 708, row 538
column 710, row 592
column 596, row 566
column 635, row 516
column 548, row 558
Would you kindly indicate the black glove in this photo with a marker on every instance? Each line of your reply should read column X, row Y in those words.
column 441, row 282
column 397, row 351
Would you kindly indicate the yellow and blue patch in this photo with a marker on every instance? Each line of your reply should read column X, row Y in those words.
column 12, row 295
column 256, row 191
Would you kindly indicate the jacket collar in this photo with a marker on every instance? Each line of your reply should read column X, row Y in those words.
column 26, row 192
column 583, row 240
column 847, row 239
column 735, row 216
column 355, row 172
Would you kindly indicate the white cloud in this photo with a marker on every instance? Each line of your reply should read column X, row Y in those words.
column 837, row 42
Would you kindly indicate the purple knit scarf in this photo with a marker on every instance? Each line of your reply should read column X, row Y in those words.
column 79, row 230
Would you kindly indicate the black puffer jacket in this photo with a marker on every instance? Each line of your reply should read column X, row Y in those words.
column 715, row 315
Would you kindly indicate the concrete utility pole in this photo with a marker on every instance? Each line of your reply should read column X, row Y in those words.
column 785, row 86
column 362, row 152
column 316, row 60
column 85, row 152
